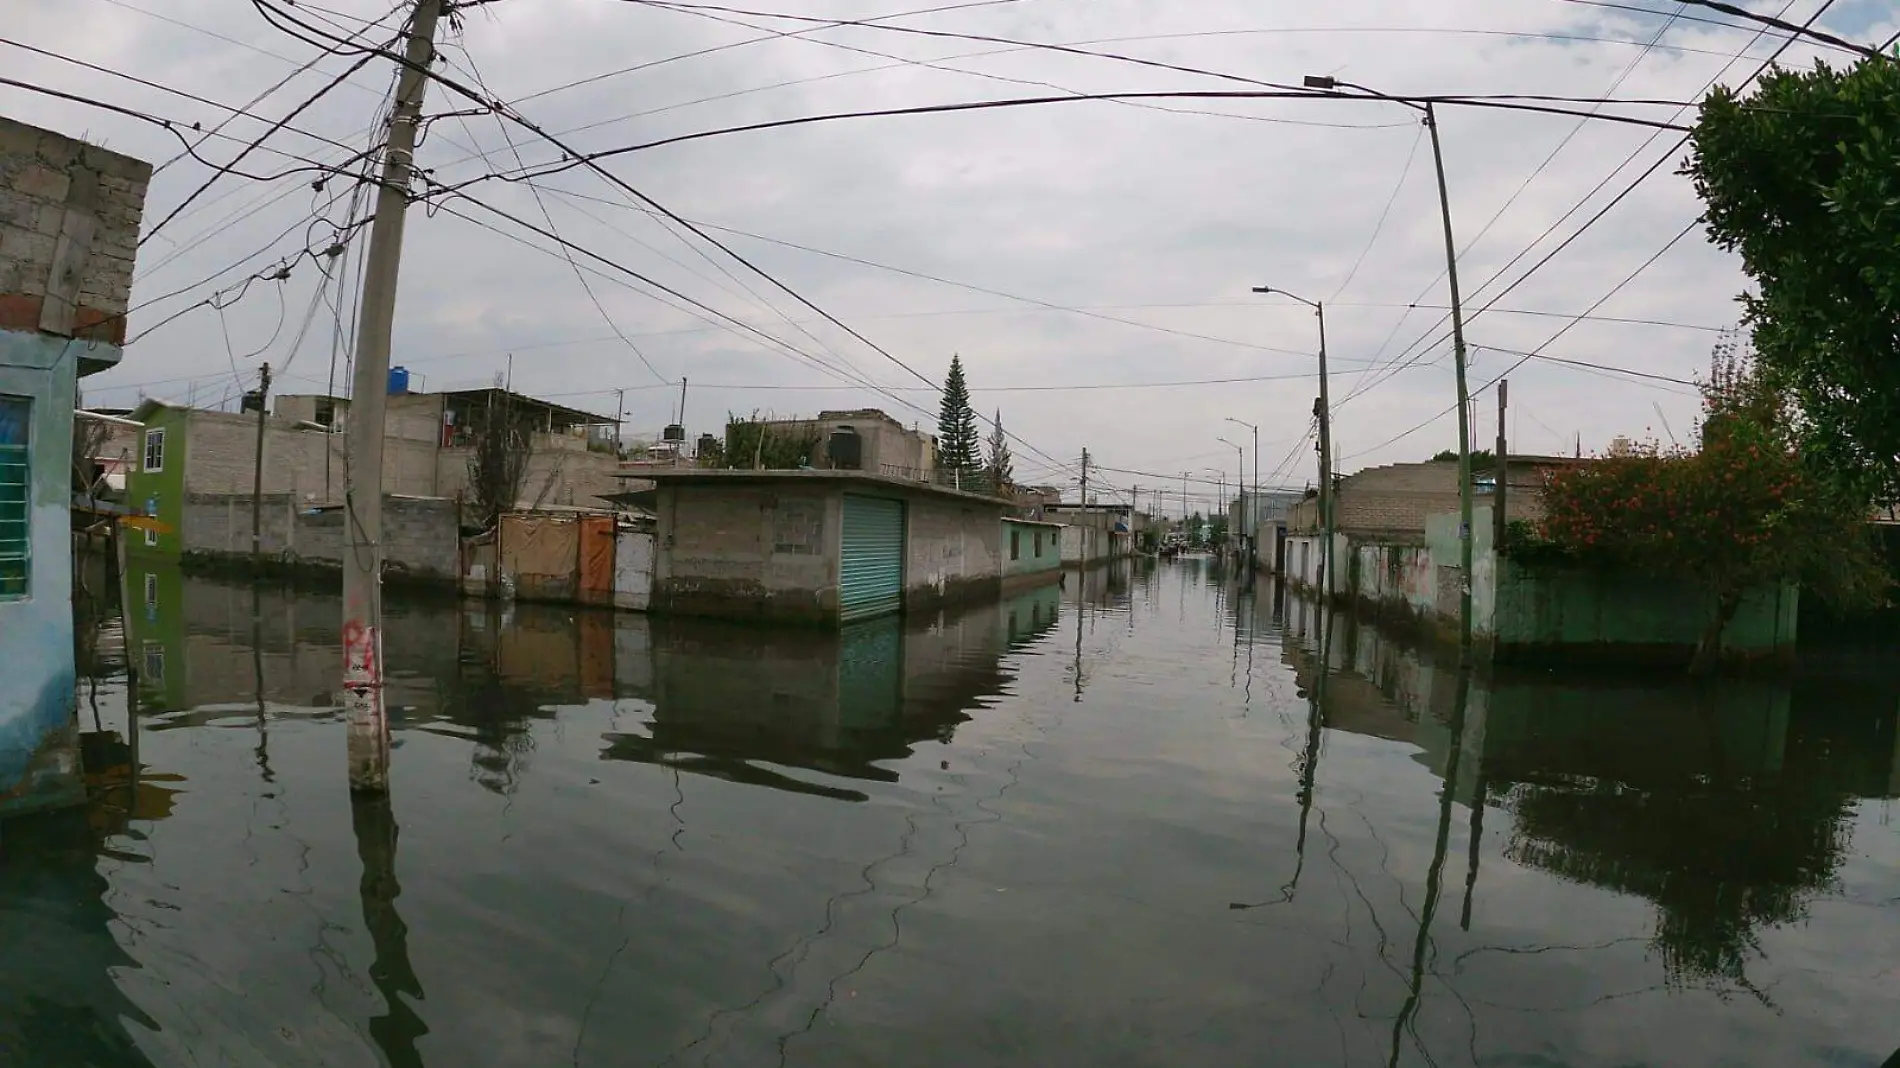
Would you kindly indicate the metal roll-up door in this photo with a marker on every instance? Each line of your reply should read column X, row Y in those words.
column 871, row 580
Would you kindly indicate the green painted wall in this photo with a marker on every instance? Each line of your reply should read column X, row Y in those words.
column 1542, row 608
column 1020, row 555
column 155, row 631
column 164, row 489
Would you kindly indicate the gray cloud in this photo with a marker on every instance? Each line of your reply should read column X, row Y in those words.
column 1091, row 204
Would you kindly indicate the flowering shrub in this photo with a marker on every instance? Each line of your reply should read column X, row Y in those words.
column 1739, row 512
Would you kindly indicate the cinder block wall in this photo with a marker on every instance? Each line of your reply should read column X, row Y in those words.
column 42, row 176
column 420, row 535
column 748, row 552
column 954, row 552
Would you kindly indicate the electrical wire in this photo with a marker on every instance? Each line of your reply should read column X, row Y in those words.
column 1366, row 384
column 1779, row 24
column 1384, row 213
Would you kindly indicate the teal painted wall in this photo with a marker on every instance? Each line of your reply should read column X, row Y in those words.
column 1020, row 548
column 1541, row 608
column 39, row 760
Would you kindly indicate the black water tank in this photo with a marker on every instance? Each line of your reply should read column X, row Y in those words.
column 673, row 432
column 846, row 449
column 708, row 444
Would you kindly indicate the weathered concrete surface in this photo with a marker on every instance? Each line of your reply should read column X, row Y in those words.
column 953, row 553
column 748, row 551
column 420, row 534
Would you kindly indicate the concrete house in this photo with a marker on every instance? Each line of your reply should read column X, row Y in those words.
column 863, row 439
column 830, row 546
column 69, row 223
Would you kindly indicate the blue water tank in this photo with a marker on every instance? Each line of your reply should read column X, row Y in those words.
column 398, row 380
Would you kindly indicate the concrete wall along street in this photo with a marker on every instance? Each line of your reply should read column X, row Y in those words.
column 762, row 551
column 69, row 223
column 420, row 534
column 1536, row 614
column 953, row 554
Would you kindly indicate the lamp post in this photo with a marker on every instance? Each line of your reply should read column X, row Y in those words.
column 1240, row 460
column 1326, row 82
column 1323, row 410
column 1250, row 511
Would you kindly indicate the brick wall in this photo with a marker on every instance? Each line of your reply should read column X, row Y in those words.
column 555, row 475
column 1398, row 498
column 44, row 177
column 420, row 535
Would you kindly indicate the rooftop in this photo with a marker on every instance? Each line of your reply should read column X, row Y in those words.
column 702, row 476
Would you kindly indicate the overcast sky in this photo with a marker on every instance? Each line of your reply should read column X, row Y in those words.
column 1078, row 245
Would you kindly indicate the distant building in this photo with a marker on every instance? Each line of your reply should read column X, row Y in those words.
column 69, row 227
column 860, row 439
column 192, row 455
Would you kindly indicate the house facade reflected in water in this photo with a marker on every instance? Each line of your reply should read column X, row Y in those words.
column 1727, row 804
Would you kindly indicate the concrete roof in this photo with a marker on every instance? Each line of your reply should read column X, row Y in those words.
column 703, row 476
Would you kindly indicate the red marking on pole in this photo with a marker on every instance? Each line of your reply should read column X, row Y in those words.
column 359, row 655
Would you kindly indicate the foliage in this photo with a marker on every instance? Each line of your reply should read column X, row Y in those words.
column 1740, row 512
column 755, row 443
column 999, row 470
column 1481, row 459
column 502, row 441
column 956, row 426
column 1802, row 178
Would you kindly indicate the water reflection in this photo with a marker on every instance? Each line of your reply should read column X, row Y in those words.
column 1726, row 804
column 1126, row 820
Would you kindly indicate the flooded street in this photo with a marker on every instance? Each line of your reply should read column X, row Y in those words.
column 1115, row 826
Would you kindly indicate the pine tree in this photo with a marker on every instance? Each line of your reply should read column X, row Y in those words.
column 956, row 427
column 998, row 468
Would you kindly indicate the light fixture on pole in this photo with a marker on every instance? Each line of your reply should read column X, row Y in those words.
column 1323, row 413
column 1325, row 82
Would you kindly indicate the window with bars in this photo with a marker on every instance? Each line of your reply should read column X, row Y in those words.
column 16, row 481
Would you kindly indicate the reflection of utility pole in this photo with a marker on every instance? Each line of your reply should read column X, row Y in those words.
column 1082, row 576
column 1435, row 874
column 1309, row 768
column 395, row 1032
column 257, row 472
column 368, row 723
column 1477, row 837
column 257, row 676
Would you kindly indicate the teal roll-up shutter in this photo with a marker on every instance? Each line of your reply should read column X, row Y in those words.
column 871, row 579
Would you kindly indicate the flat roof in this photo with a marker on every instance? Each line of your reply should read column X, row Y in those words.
column 714, row 476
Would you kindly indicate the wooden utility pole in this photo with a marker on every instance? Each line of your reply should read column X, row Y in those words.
column 257, row 471
column 363, row 467
column 1498, row 520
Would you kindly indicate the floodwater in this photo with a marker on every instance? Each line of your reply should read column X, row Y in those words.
column 1132, row 824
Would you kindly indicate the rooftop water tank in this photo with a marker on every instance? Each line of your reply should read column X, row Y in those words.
column 846, row 449
column 398, row 380
column 674, row 433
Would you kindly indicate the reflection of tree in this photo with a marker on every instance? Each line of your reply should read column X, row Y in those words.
column 1720, row 859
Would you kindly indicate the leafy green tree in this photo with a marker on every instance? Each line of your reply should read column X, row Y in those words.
column 1740, row 512
column 956, row 427
column 1802, row 178
column 999, row 470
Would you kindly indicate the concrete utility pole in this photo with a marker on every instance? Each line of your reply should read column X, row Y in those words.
column 257, row 472
column 1323, row 413
column 1464, row 396
column 1082, row 532
column 1498, row 521
column 682, row 419
column 1328, row 83
column 363, row 471
column 620, row 411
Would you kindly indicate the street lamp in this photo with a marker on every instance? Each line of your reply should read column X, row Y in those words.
column 1323, row 411
column 1250, row 510
column 1326, row 82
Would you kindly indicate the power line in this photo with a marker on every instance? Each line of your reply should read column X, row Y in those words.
column 750, row 41
column 1540, row 104
column 1779, row 24
column 502, row 109
column 1682, row 17
column 1385, row 212
column 1653, row 167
